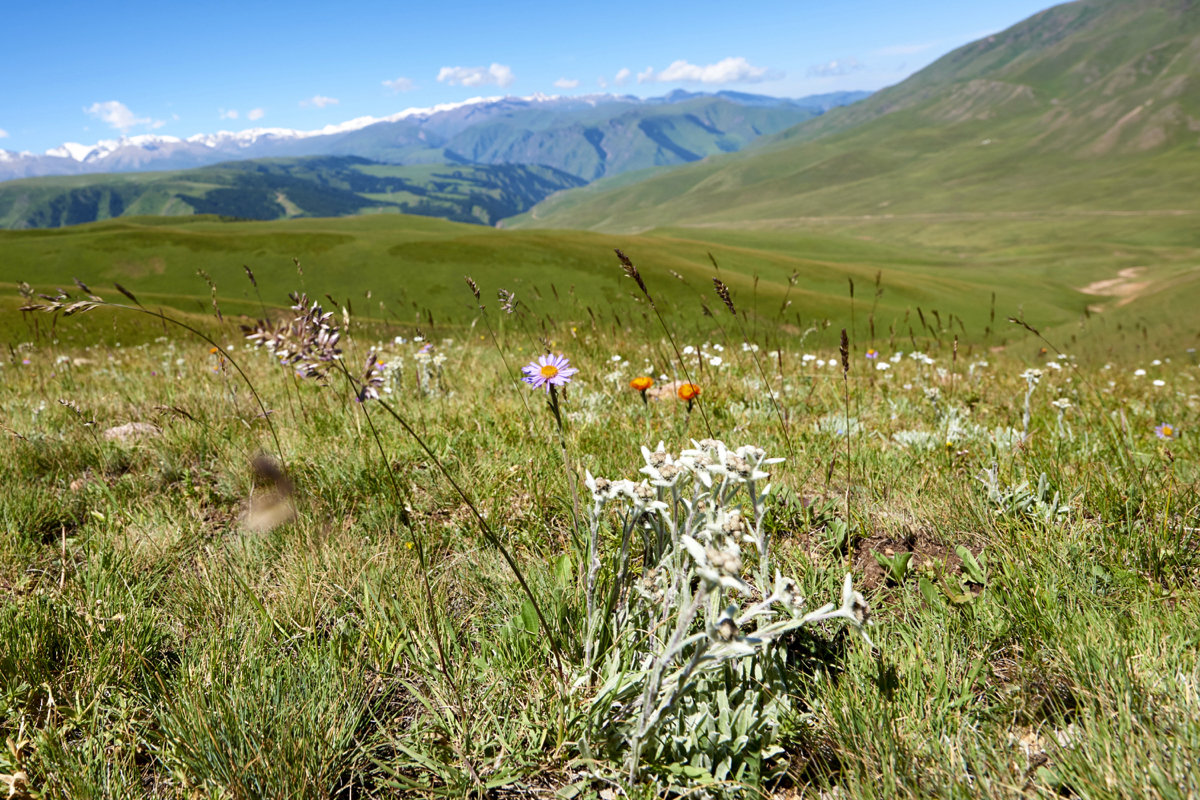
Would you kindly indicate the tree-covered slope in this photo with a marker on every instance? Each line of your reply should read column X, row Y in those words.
column 279, row 188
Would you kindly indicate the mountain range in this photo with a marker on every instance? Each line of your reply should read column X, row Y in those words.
column 588, row 136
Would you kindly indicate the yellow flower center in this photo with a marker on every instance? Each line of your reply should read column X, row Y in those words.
column 549, row 371
column 1168, row 431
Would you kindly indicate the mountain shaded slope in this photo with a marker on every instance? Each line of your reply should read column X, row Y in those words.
column 1092, row 105
column 279, row 188
column 588, row 136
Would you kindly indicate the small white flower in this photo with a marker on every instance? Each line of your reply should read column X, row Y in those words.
column 1160, row 383
column 715, row 361
column 689, row 350
column 1137, row 373
column 882, row 365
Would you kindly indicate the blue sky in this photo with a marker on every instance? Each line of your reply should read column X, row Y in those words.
column 83, row 72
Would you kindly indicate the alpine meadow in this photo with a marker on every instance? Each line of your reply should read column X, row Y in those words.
column 708, row 445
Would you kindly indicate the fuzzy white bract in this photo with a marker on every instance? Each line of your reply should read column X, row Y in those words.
column 681, row 592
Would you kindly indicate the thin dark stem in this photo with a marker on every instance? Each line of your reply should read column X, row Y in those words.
column 489, row 534
column 422, row 559
column 161, row 316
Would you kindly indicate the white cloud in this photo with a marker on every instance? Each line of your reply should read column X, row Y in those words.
column 567, row 83
column 602, row 83
column 320, row 101
column 255, row 114
column 727, row 70
column 838, row 66
column 3, row 133
column 622, row 77
column 400, row 84
column 227, row 113
column 496, row 74
column 118, row 115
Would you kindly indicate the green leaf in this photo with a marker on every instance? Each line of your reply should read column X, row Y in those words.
column 974, row 570
column 930, row 592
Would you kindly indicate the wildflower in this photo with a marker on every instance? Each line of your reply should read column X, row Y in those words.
column 372, row 379
column 1160, row 382
column 1062, row 403
column 548, row 371
column 641, row 384
column 872, row 353
column 1165, row 430
column 688, row 392
column 1139, row 373
column 883, row 366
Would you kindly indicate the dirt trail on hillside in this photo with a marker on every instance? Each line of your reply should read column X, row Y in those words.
column 1125, row 286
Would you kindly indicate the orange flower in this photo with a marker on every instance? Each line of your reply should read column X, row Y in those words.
column 688, row 391
column 212, row 351
column 641, row 383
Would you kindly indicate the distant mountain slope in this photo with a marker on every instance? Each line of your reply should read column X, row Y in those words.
column 588, row 136
column 1090, row 105
column 279, row 188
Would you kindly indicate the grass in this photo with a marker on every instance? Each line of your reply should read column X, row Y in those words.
column 416, row 266
column 161, row 641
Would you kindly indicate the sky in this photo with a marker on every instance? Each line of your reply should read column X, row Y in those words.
column 86, row 72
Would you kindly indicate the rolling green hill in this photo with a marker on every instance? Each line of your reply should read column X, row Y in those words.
column 1087, row 107
column 409, row 270
column 281, row 188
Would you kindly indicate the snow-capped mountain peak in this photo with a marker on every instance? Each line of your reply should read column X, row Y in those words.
column 424, row 127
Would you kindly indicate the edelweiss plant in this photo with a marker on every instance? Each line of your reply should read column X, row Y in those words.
column 684, row 614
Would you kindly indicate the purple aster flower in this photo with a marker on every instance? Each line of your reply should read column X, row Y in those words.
column 1165, row 431
column 547, row 371
column 872, row 353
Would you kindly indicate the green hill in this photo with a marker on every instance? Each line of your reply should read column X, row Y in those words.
column 410, row 269
column 282, row 188
column 1089, row 106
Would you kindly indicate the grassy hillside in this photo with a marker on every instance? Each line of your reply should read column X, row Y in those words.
column 409, row 270
column 1090, row 106
column 277, row 188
